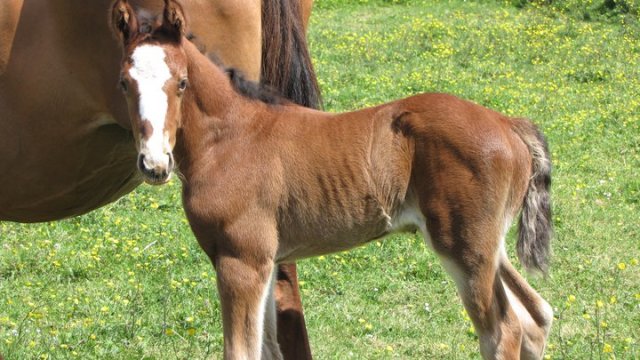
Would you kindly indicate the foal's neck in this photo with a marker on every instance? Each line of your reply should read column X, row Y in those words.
column 212, row 111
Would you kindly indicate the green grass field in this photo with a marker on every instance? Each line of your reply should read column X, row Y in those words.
column 129, row 281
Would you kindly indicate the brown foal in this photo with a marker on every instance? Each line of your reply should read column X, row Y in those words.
column 266, row 181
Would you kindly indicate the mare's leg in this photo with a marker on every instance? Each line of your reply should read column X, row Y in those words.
column 534, row 313
column 292, row 331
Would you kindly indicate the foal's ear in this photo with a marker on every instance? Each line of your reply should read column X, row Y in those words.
column 123, row 20
column 173, row 20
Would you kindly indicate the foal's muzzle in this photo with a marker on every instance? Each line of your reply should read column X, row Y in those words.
column 156, row 171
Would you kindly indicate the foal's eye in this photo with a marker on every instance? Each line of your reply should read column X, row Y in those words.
column 182, row 84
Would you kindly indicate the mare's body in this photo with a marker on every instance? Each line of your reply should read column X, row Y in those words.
column 266, row 183
column 66, row 146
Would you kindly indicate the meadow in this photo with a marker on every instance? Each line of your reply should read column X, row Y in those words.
column 129, row 281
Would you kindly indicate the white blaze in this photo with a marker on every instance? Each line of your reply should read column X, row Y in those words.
column 151, row 72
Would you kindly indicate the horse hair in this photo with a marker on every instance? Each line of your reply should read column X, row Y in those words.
column 286, row 64
column 247, row 88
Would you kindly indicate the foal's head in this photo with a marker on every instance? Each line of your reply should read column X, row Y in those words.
column 153, row 78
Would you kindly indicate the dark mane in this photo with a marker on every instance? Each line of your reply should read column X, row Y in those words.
column 250, row 89
column 254, row 90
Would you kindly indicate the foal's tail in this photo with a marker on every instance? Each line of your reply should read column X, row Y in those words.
column 286, row 64
column 535, row 227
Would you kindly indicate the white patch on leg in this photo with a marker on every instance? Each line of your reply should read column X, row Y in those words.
column 260, row 318
column 270, row 347
column 151, row 73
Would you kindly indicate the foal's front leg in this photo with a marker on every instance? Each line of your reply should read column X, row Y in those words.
column 245, row 287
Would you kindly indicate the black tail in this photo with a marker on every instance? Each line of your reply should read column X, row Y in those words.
column 286, row 64
column 535, row 227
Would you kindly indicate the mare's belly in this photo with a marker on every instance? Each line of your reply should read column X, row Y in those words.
column 49, row 175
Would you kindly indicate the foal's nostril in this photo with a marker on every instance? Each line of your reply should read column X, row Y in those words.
column 141, row 165
column 171, row 163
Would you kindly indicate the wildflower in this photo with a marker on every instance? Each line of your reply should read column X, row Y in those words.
column 599, row 304
column 613, row 300
column 634, row 261
column 168, row 332
column 603, row 324
column 389, row 348
column 607, row 348
column 191, row 331
column 622, row 266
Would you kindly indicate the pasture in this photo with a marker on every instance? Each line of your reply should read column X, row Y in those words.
column 129, row 281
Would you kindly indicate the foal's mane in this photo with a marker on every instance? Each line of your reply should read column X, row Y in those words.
column 247, row 88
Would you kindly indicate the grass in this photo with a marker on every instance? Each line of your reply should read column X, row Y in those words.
column 129, row 281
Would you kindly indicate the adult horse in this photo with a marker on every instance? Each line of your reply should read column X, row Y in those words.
column 66, row 146
column 266, row 181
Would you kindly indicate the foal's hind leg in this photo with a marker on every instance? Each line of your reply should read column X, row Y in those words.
column 470, row 252
column 534, row 313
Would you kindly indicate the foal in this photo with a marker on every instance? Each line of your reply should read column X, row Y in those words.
column 258, row 177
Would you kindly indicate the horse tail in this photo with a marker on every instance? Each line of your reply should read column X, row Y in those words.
column 286, row 63
column 535, row 227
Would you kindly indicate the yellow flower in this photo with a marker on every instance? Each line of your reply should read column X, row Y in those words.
column 613, row 300
column 191, row 331
column 634, row 261
column 389, row 348
column 622, row 266
column 168, row 331
column 603, row 324
column 607, row 348
column 599, row 304
column 571, row 299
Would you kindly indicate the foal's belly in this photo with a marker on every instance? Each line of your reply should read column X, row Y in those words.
column 336, row 231
column 318, row 242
